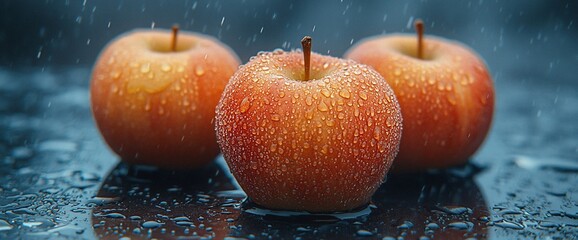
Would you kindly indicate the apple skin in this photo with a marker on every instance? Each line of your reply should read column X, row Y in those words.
column 319, row 145
column 154, row 106
column 447, row 99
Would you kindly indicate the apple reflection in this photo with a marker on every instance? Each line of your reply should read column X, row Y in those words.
column 140, row 202
column 145, row 202
column 443, row 205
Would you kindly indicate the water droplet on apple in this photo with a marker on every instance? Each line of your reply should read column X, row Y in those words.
column 344, row 93
column 114, row 88
column 145, row 68
column 199, row 70
column 308, row 100
column 390, row 121
column 273, row 147
column 309, row 114
column 115, row 74
column 322, row 107
column 363, row 95
column 452, row 99
column 245, row 105
column 377, row 133
column 325, row 149
column 330, row 122
column 165, row 67
column 441, row 86
column 325, row 65
column 325, row 92
column 341, row 115
column 411, row 83
column 369, row 122
column 275, row 117
column 455, row 76
column 397, row 72
column 356, row 71
column 381, row 148
column 484, row 99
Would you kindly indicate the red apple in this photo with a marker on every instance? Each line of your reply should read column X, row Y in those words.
column 153, row 96
column 446, row 96
column 319, row 143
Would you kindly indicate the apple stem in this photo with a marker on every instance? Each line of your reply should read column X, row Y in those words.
column 174, row 40
column 306, row 43
column 419, row 29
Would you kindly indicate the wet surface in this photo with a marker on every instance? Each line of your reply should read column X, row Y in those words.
column 58, row 180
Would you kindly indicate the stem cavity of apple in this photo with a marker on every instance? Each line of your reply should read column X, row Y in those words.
column 306, row 43
column 419, row 30
column 174, row 39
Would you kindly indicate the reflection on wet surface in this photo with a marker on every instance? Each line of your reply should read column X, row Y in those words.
column 207, row 203
column 59, row 181
column 147, row 202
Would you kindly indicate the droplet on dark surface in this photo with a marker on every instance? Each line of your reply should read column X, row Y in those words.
column 151, row 224
column 5, row 225
column 185, row 223
column 432, row 226
column 114, row 215
column 455, row 210
column 509, row 225
column 555, row 164
column 405, row 225
column 466, row 226
column 364, row 233
column 183, row 218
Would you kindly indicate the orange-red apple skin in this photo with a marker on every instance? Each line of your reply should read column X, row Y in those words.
column 319, row 145
column 447, row 99
column 156, row 107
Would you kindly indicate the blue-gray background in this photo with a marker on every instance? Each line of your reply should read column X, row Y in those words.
column 532, row 40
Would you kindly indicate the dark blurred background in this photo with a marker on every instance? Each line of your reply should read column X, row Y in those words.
column 530, row 40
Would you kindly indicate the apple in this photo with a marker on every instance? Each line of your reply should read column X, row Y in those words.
column 153, row 96
column 445, row 92
column 318, row 140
